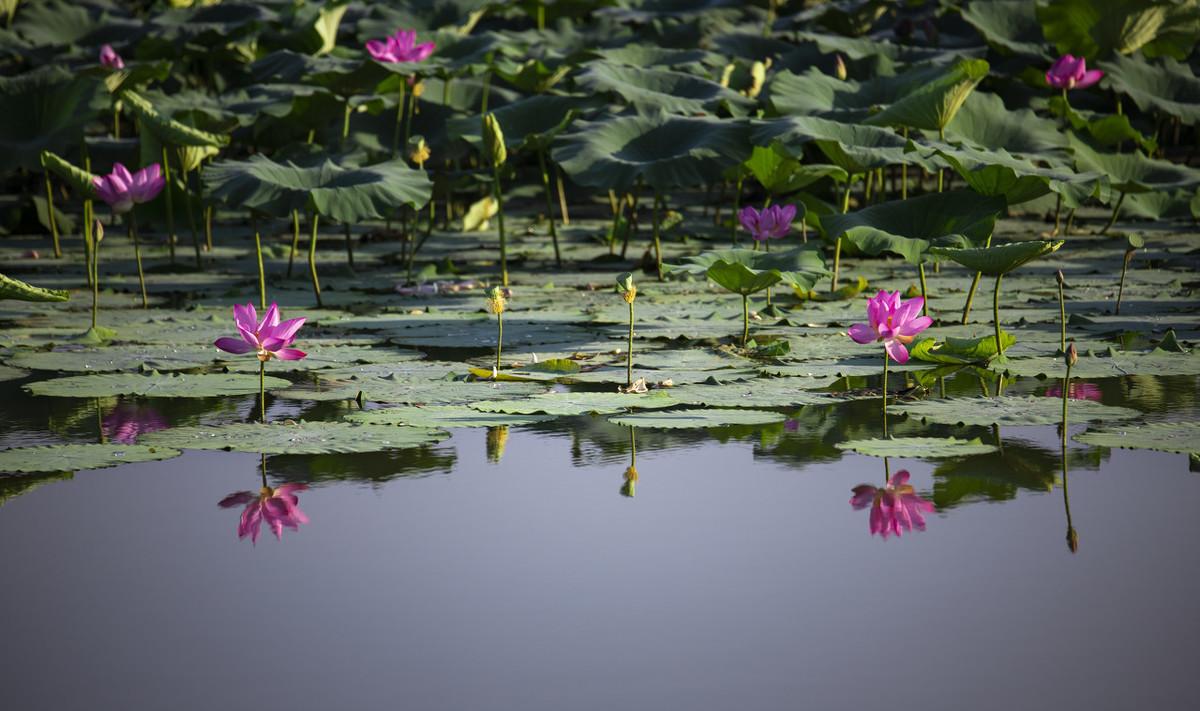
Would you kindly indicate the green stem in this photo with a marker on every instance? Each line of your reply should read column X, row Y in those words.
column 346, row 123
column 657, row 234
column 1057, row 213
column 885, row 391
column 295, row 241
column 1121, row 288
column 549, row 206
column 412, row 111
column 1062, row 320
column 187, row 203
column 996, row 316
column 629, row 354
column 137, row 254
column 974, row 285
column 1112, row 220
column 737, row 203
column 837, row 263
column 89, row 226
column 399, row 118
column 500, row 225
column 924, row 293
column 541, row 16
column 349, row 246
column 1066, row 389
column 499, row 339
column 262, row 392
column 170, row 205
column 117, row 120
column 50, row 217
column 904, row 172
column 941, row 138
column 208, row 222
column 262, row 278
column 562, row 195
column 745, row 319
column 312, row 259
column 1070, row 222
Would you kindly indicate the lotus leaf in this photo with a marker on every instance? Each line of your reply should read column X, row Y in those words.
column 78, row 457
column 295, row 437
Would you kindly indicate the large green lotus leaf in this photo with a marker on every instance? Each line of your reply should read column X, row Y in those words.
column 960, row 351
column 411, row 392
column 80, row 180
column 909, row 227
column 580, row 403
column 533, row 120
column 1117, row 365
column 917, row 447
column 999, row 259
column 664, row 151
column 815, row 93
column 740, row 279
column 341, row 75
column 658, row 89
column 1009, row 410
column 348, row 195
column 932, row 105
column 9, row 373
column 1168, row 86
column 43, row 109
column 1010, row 24
column 321, row 356
column 153, row 385
column 763, row 392
column 800, row 267
column 480, row 332
column 294, row 437
column 443, row 416
column 54, row 22
column 111, row 359
column 1132, row 172
column 1178, row 437
column 781, row 174
column 707, row 417
column 1098, row 28
column 18, row 290
column 853, row 148
column 75, row 457
column 985, row 123
column 167, row 130
column 1018, row 180
column 650, row 55
column 847, row 368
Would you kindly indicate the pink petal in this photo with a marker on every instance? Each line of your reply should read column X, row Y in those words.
column 233, row 345
column 290, row 354
column 862, row 333
column 899, row 479
column 236, row 499
column 269, row 320
column 748, row 216
column 907, row 311
column 864, row 495
column 1089, row 78
column 287, row 330
column 914, row 326
column 896, row 350
column 245, row 317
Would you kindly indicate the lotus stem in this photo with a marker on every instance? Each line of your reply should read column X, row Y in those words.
column 629, row 353
column 499, row 339
column 974, row 285
column 346, row 123
column 657, row 236
column 1057, row 214
column 631, row 223
column 885, row 392
column 137, row 254
column 187, row 203
column 1062, row 319
column 549, row 206
column 1070, row 222
column 867, row 187
column 90, row 234
column 262, row 392
column 904, row 170
column 737, row 204
column 541, row 16
column 924, row 293
column 1112, row 220
column 117, row 120
column 170, row 206
column 262, row 278
column 837, row 263
column 996, row 319
column 87, row 243
column 295, row 241
column 412, row 111
column 399, row 118
column 500, row 224
column 312, row 259
column 208, row 222
column 745, row 319
column 349, row 246
column 1066, row 389
column 562, row 196
column 50, row 217
column 941, row 138
column 1124, row 269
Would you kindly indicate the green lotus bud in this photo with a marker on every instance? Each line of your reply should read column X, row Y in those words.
column 1058, row 276
column 493, row 140
column 839, row 67
column 1072, row 356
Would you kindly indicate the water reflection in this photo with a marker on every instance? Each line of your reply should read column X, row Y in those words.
column 278, row 507
column 1076, row 391
column 497, row 439
column 125, row 422
column 629, row 487
column 895, row 508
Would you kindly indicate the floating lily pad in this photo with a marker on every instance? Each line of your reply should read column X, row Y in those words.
column 568, row 404
column 295, row 437
column 1009, row 410
column 1116, row 365
column 9, row 373
column 917, row 447
column 443, row 416
column 153, row 385
column 764, row 392
column 74, row 457
column 326, row 356
column 708, row 417
column 1178, row 437
column 118, row 358
column 843, row 368
column 412, row 391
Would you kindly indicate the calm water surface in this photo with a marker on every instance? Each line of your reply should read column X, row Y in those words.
column 738, row 576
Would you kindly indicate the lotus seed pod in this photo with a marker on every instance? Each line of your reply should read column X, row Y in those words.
column 496, row 300
column 493, row 140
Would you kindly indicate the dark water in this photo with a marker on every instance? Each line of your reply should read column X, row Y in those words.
column 738, row 576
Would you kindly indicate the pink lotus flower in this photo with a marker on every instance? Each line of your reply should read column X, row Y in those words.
column 1070, row 72
column 400, row 47
column 1076, row 391
column 279, row 507
column 269, row 338
column 110, row 58
column 126, row 421
column 895, row 508
column 892, row 321
column 773, row 222
column 122, row 189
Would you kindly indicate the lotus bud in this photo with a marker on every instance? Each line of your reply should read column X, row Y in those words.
column 493, row 140
column 630, row 485
column 418, row 89
column 497, row 301
column 1072, row 356
column 1058, row 276
column 418, row 150
column 758, row 76
column 626, row 287
column 839, row 67
column 1072, row 540
column 97, row 231
column 727, row 74
column 497, row 438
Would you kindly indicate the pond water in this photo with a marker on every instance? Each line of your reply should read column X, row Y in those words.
column 511, row 569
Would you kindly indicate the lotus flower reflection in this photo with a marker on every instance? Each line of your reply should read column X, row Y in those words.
column 122, row 189
column 1071, row 72
column 126, row 421
column 278, row 507
column 1076, row 391
column 268, row 338
column 772, row 222
column 109, row 58
column 892, row 321
column 400, row 47
column 895, row 509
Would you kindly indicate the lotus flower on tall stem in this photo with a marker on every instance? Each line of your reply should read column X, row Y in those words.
column 772, row 222
column 628, row 291
column 895, row 323
column 112, row 61
column 267, row 339
column 497, row 302
column 123, row 190
column 400, row 48
column 497, row 154
column 895, row 508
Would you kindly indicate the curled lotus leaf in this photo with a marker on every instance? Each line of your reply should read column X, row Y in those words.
column 999, row 259
column 933, row 104
column 18, row 290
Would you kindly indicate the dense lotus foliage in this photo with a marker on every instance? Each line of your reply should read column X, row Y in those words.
column 749, row 173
